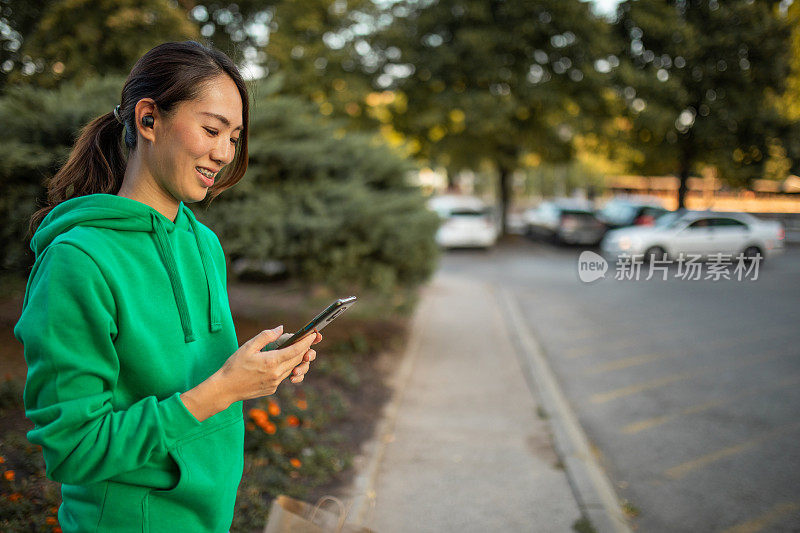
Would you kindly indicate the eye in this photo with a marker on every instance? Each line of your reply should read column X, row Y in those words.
column 214, row 133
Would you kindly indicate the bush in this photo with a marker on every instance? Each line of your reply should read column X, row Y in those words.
column 39, row 128
column 332, row 206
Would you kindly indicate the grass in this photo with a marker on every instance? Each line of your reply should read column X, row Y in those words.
column 583, row 526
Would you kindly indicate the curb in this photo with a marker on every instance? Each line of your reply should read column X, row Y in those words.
column 592, row 489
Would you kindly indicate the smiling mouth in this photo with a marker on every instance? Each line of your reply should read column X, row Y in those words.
column 207, row 173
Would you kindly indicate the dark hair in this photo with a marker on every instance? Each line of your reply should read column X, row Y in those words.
column 169, row 73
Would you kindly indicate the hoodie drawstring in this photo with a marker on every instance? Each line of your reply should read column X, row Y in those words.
column 172, row 269
column 214, row 312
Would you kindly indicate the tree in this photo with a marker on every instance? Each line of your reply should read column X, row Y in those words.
column 699, row 80
column 495, row 81
column 76, row 39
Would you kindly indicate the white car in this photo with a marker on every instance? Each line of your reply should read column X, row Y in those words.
column 698, row 233
column 467, row 221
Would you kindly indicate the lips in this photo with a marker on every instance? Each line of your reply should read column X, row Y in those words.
column 208, row 182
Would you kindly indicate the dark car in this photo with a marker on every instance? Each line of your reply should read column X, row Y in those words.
column 565, row 221
column 624, row 212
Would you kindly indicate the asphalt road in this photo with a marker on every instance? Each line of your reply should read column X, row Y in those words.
column 688, row 388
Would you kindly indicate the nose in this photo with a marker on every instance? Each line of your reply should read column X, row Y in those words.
column 223, row 151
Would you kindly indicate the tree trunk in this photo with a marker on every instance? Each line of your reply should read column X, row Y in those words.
column 505, row 197
column 687, row 155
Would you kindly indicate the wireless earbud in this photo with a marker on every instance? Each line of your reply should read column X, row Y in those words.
column 147, row 121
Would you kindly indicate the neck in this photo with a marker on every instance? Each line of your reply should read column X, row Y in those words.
column 138, row 184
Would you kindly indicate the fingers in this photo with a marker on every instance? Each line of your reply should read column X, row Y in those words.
column 310, row 356
column 293, row 355
column 266, row 336
column 318, row 339
column 300, row 369
column 299, row 372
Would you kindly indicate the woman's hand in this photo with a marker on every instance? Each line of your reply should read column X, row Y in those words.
column 251, row 373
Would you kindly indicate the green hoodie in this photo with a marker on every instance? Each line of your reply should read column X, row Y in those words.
column 123, row 311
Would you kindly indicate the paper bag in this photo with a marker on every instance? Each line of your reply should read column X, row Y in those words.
column 288, row 515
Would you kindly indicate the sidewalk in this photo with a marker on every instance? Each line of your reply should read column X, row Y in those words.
column 460, row 447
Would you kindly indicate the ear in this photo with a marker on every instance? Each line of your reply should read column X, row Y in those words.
column 146, row 106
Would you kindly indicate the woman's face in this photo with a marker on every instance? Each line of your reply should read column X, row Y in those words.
column 200, row 133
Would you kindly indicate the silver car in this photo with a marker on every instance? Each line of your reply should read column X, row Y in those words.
column 700, row 233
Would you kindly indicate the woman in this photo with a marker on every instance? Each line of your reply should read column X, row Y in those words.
column 135, row 377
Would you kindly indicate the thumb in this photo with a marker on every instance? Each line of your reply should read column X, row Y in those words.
column 266, row 336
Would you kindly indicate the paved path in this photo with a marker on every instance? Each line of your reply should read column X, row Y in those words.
column 462, row 447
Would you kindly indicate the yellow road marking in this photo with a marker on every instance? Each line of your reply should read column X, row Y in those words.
column 766, row 519
column 633, row 389
column 681, row 470
column 648, row 423
column 626, row 342
column 654, row 383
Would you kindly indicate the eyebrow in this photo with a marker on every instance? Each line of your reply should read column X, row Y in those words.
column 221, row 118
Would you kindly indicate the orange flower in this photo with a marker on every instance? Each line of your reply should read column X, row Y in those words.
column 269, row 428
column 295, row 462
column 2, row 459
column 302, row 405
column 56, row 529
column 293, row 421
column 51, row 521
column 9, row 475
column 54, row 510
column 273, row 408
column 258, row 415
column 249, row 426
column 14, row 496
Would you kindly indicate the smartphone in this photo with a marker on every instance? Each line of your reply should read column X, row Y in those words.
column 317, row 323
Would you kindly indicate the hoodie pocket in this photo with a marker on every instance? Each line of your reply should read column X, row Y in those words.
column 210, row 465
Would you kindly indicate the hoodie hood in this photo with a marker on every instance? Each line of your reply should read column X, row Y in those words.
column 124, row 214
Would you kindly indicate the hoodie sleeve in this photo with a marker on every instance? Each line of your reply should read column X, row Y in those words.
column 67, row 328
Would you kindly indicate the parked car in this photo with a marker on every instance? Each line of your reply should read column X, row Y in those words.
column 698, row 232
column 467, row 221
column 564, row 221
column 620, row 212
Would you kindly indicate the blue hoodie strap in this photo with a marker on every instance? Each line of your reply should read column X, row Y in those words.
column 214, row 312
column 177, row 287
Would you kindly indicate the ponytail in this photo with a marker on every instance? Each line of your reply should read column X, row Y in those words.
column 95, row 165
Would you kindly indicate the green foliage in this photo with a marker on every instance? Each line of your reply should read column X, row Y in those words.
column 76, row 39
column 693, row 95
column 39, row 128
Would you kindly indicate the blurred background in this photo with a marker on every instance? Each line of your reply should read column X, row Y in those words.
column 393, row 141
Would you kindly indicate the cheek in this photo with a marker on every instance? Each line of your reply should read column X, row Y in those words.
column 194, row 144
